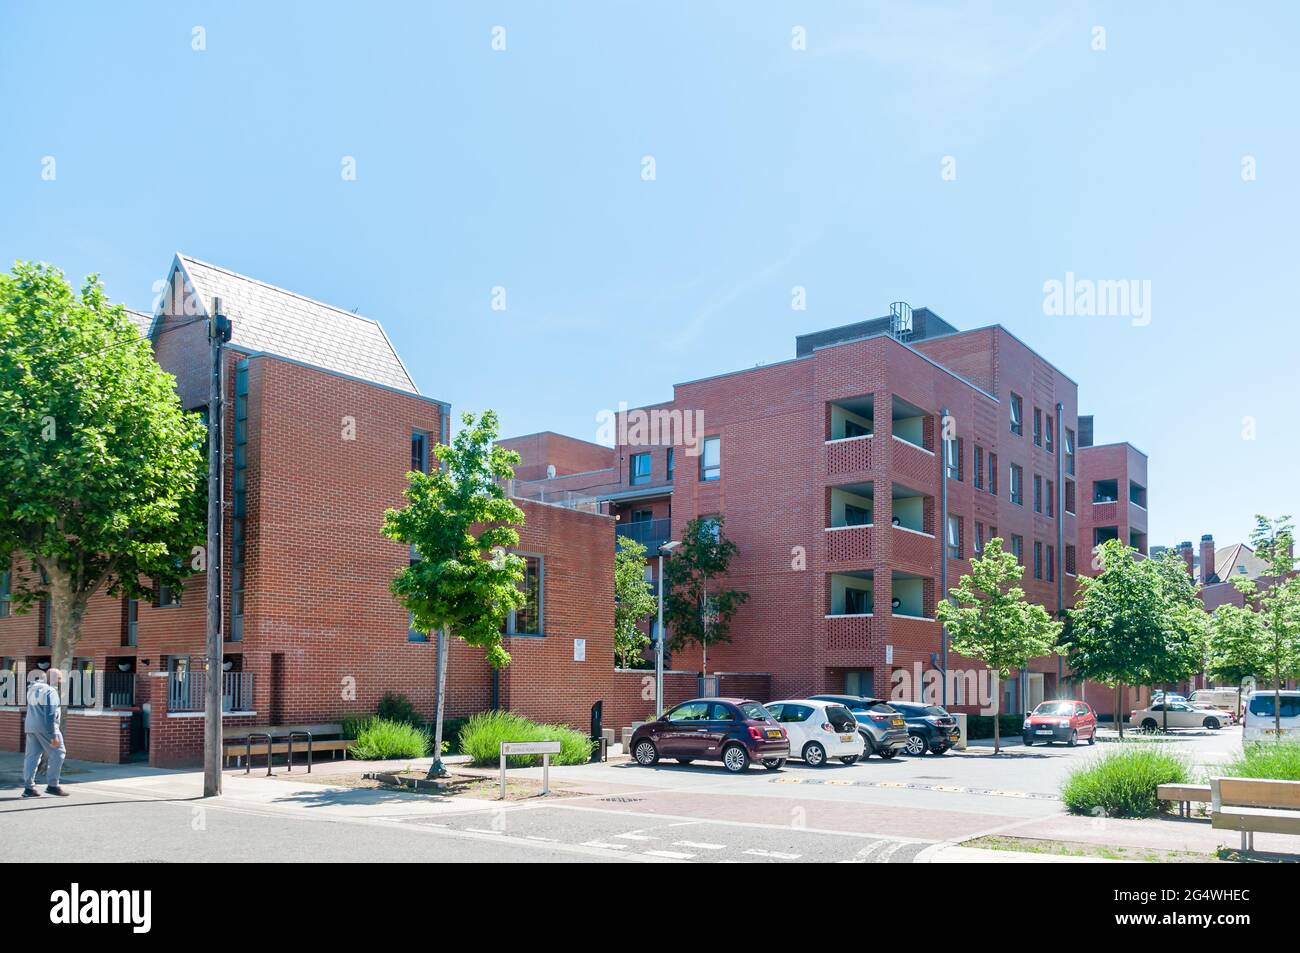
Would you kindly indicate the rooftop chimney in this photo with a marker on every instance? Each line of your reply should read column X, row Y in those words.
column 1185, row 550
column 1207, row 560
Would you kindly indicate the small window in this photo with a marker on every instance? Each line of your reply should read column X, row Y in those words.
column 640, row 469
column 953, row 449
column 993, row 474
column 642, row 516
column 1051, row 564
column 5, row 595
column 954, row 537
column 978, row 479
column 1018, row 548
column 1038, row 493
column 1017, row 415
column 1038, row 427
column 711, row 459
column 854, row 429
column 1017, row 484
column 672, row 463
column 1051, row 499
column 979, row 538
column 1069, row 451
column 168, row 597
column 1105, row 491
column 1051, row 434
column 420, row 451
column 1038, row 560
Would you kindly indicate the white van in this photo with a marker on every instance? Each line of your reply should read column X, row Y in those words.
column 1258, row 722
column 1225, row 699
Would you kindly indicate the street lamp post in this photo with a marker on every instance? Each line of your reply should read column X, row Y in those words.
column 664, row 550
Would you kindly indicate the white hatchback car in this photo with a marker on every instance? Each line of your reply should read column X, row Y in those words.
column 818, row 730
column 1180, row 715
column 1258, row 722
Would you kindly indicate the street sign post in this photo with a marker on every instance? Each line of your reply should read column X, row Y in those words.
column 544, row 748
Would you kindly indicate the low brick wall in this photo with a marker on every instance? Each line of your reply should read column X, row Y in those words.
column 11, row 729
column 98, row 735
column 176, row 739
column 632, row 696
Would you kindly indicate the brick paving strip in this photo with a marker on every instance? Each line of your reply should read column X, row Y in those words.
column 915, row 786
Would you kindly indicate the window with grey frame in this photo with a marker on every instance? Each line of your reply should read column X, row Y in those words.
column 671, row 463
column 711, row 459
column 530, row 619
column 639, row 468
column 5, row 595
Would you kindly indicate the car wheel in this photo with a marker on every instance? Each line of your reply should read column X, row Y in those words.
column 735, row 758
column 685, row 760
column 1074, row 739
column 1149, row 724
column 646, row 753
column 887, row 753
column 1092, row 738
column 814, row 755
column 1028, row 741
column 774, row 764
column 916, row 745
column 1212, row 724
column 851, row 759
column 942, row 749
column 868, row 746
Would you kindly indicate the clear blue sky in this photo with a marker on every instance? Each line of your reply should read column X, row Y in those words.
column 775, row 167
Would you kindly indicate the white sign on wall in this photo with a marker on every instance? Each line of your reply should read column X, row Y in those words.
column 889, row 655
column 580, row 650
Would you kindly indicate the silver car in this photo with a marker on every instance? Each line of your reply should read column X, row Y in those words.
column 883, row 728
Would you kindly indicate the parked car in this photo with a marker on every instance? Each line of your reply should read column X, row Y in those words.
column 1258, row 723
column 818, row 730
column 1227, row 699
column 883, row 730
column 1064, row 719
column 734, row 731
column 1173, row 697
column 929, row 727
column 1180, row 715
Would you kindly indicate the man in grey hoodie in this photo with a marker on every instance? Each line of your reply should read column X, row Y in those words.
column 44, row 735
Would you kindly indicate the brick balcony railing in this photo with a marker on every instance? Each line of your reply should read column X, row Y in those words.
column 849, row 543
column 849, row 455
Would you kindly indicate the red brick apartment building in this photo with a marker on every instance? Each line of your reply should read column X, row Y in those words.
column 828, row 470
column 323, row 422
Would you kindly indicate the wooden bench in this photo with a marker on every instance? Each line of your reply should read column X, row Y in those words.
column 1249, row 805
column 241, row 750
column 1185, row 794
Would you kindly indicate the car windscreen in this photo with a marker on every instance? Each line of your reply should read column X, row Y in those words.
column 841, row 718
column 1263, row 705
column 754, row 711
column 1055, row 708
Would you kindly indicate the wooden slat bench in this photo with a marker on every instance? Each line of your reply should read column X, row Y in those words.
column 1185, row 794
column 1249, row 805
column 240, row 750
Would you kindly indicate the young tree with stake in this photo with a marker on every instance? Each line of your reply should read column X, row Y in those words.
column 990, row 620
column 696, row 606
column 462, row 581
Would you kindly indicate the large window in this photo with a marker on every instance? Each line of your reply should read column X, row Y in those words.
column 857, row 601
column 528, row 620
column 711, row 459
column 640, row 468
column 1105, row 491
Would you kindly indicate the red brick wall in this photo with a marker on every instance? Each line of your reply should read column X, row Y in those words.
column 11, row 729
column 100, row 736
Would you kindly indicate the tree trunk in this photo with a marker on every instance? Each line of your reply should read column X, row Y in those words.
column 1277, row 701
column 1119, row 708
column 997, row 725
column 437, row 769
column 68, row 612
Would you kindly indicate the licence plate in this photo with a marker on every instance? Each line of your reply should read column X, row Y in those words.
column 1043, row 731
column 774, row 733
column 846, row 738
column 954, row 738
column 897, row 723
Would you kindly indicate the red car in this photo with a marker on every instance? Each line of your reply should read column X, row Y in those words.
column 735, row 731
column 1061, row 720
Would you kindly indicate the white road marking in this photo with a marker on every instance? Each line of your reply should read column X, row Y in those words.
column 670, row 854
column 605, row 844
column 698, row 846
column 635, row 835
column 774, row 854
column 482, row 830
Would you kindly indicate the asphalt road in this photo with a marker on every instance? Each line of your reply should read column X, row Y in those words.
column 875, row 811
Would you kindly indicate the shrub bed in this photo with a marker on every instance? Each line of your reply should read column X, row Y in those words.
column 482, row 735
column 981, row 726
column 379, row 739
column 1123, row 783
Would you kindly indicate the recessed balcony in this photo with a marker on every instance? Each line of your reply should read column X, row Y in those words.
column 850, row 594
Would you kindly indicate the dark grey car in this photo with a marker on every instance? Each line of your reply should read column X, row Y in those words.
column 882, row 727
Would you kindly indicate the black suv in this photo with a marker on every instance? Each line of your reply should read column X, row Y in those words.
column 929, row 727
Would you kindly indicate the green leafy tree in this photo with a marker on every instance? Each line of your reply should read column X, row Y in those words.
column 1270, row 642
column 461, row 523
column 989, row 619
column 696, row 606
column 1136, row 623
column 101, row 470
column 1236, row 639
column 634, row 602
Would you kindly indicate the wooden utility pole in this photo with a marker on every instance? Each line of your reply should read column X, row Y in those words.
column 218, row 335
